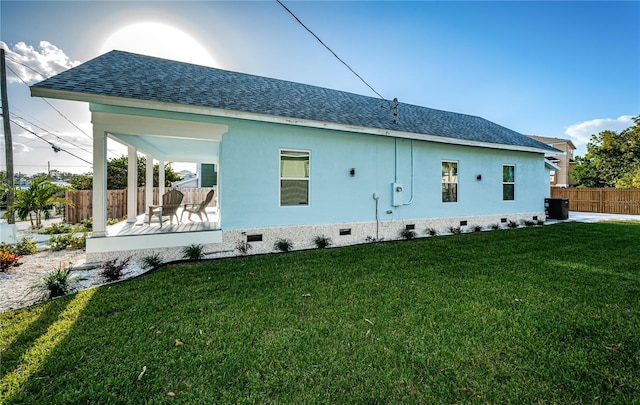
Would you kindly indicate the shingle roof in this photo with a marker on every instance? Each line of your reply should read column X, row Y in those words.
column 133, row 76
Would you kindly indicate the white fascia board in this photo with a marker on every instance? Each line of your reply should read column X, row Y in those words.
column 156, row 105
column 551, row 166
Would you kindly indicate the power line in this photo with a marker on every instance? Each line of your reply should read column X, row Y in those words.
column 50, row 105
column 330, row 50
column 50, row 133
column 55, row 148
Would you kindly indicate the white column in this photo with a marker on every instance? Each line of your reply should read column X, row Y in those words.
column 132, row 185
column 160, row 177
column 99, row 181
column 148, row 185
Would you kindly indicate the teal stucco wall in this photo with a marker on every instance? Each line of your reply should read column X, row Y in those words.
column 249, row 178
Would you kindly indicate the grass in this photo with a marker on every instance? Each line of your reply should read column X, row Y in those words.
column 539, row 314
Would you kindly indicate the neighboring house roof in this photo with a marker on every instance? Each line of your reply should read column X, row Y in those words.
column 119, row 75
column 551, row 163
column 553, row 141
column 188, row 182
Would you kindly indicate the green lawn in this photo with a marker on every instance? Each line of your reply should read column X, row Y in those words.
column 533, row 315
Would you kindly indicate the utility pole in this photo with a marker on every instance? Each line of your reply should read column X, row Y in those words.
column 8, row 144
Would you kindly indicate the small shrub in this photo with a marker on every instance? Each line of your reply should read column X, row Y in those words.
column 8, row 259
column 26, row 246
column 86, row 225
column 243, row 247
column 322, row 241
column 112, row 221
column 407, row 234
column 60, row 242
column 78, row 242
column 512, row 224
column 431, row 231
column 455, row 230
column 529, row 223
column 370, row 239
column 67, row 240
column 57, row 283
column 540, row 222
column 476, row 228
column 152, row 261
column 283, row 245
column 57, row 228
column 111, row 270
column 193, row 252
column 495, row 226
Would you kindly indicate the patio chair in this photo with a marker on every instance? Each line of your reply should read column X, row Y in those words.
column 171, row 201
column 198, row 208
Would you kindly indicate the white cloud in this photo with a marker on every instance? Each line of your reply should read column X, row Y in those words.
column 581, row 132
column 33, row 64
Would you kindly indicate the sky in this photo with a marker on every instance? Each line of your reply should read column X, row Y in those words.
column 555, row 69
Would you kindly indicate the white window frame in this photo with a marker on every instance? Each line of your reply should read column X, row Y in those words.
column 509, row 182
column 457, row 182
column 280, row 178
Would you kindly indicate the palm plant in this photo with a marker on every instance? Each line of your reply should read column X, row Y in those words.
column 36, row 201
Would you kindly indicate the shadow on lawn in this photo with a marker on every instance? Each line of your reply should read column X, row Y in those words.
column 36, row 345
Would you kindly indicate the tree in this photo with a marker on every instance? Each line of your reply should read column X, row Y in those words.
column 117, row 169
column 585, row 173
column 610, row 157
column 82, row 182
column 37, row 200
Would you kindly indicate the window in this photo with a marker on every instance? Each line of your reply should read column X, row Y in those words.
column 508, row 182
column 294, row 178
column 449, row 181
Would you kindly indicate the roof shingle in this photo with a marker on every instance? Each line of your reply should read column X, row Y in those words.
column 133, row 76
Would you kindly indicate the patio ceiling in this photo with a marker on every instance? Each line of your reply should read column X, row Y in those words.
column 172, row 149
column 170, row 140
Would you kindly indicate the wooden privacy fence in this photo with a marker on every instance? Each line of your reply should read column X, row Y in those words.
column 604, row 200
column 117, row 202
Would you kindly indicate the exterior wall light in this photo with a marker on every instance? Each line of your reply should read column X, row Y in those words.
column 352, row 172
column 479, row 177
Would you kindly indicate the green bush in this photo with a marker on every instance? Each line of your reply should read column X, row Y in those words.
column 67, row 240
column 86, row 225
column 193, row 252
column 78, row 242
column 57, row 283
column 322, row 241
column 283, row 245
column 57, row 228
column 431, row 231
column 455, row 230
column 152, row 261
column 408, row 234
column 26, row 246
column 60, row 242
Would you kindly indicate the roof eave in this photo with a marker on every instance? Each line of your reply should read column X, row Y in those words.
column 218, row 112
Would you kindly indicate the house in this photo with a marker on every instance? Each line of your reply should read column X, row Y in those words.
column 206, row 176
column 564, row 160
column 297, row 161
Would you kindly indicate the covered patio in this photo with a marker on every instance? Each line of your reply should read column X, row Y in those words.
column 159, row 140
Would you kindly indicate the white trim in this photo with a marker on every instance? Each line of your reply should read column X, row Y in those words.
column 551, row 166
column 280, row 178
column 218, row 112
column 457, row 182
column 508, row 182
